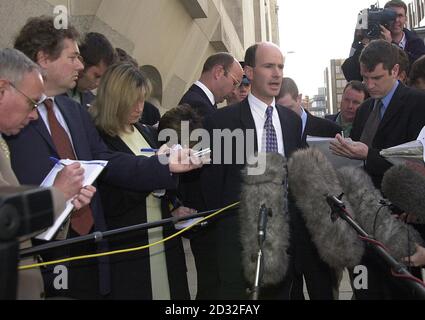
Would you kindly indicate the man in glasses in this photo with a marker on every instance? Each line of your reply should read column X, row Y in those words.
column 21, row 86
column 221, row 74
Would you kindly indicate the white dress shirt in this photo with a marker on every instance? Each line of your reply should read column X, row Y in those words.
column 304, row 120
column 258, row 111
column 206, row 90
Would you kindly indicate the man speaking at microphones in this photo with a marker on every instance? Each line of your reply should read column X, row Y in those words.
column 263, row 126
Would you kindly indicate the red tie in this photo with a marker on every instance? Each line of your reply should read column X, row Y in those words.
column 81, row 220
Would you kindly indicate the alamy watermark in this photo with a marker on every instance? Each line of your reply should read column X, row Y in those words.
column 360, row 279
column 228, row 147
column 61, row 17
column 60, row 282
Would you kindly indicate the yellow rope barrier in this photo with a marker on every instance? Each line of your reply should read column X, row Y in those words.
column 36, row 265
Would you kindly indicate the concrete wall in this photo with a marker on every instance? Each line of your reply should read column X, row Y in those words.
column 173, row 37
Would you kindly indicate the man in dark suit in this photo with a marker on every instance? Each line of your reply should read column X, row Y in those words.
column 65, row 124
column 221, row 183
column 393, row 115
column 220, row 75
column 290, row 97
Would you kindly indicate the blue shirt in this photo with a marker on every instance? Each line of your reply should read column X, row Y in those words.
column 387, row 99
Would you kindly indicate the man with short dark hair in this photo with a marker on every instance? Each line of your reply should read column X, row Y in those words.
column 277, row 130
column 220, row 75
column 393, row 115
column 352, row 97
column 97, row 55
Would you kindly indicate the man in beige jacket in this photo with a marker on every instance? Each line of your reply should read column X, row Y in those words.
column 21, row 87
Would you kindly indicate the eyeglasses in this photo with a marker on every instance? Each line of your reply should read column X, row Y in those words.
column 236, row 82
column 31, row 102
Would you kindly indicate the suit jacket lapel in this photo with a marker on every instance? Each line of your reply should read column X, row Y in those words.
column 289, row 139
column 41, row 128
column 117, row 144
column 197, row 89
column 73, row 124
column 247, row 121
column 395, row 106
column 308, row 126
column 147, row 134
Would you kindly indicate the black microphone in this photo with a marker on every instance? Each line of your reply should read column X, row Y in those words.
column 263, row 210
column 312, row 179
column 374, row 217
column 405, row 188
column 262, row 225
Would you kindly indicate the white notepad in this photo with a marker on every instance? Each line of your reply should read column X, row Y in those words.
column 337, row 161
column 92, row 169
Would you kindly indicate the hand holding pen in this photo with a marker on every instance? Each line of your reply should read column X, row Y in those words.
column 69, row 180
column 181, row 159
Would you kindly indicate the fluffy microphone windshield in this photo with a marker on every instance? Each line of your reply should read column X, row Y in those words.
column 405, row 188
column 267, row 189
column 375, row 219
column 311, row 179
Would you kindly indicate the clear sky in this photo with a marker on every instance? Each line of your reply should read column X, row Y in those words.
column 314, row 32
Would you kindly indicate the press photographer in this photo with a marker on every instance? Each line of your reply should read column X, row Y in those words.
column 388, row 24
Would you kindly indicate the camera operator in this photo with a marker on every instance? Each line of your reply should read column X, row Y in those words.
column 396, row 33
column 21, row 87
column 404, row 38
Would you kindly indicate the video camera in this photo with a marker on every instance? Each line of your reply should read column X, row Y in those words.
column 24, row 211
column 369, row 21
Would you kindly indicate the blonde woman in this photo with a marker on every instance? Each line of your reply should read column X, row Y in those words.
column 158, row 273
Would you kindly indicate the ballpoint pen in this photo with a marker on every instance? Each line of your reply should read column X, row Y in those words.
column 148, row 150
column 56, row 161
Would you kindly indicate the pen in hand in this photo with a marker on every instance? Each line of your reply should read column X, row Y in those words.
column 149, row 150
column 56, row 161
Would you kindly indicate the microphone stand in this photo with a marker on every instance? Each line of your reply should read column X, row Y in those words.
column 262, row 224
column 99, row 236
column 338, row 211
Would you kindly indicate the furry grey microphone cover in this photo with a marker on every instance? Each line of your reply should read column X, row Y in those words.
column 405, row 188
column 311, row 179
column 364, row 199
column 265, row 189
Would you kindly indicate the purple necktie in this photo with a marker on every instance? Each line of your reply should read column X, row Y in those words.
column 269, row 139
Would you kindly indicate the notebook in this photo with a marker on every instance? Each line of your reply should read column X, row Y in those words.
column 92, row 169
